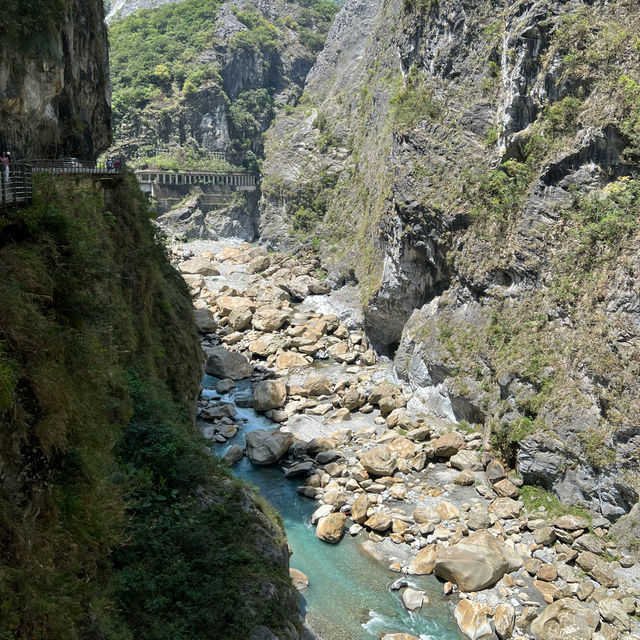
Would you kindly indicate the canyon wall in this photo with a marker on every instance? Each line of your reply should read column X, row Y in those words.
column 473, row 165
column 54, row 80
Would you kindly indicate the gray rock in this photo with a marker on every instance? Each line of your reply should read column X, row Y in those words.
column 204, row 320
column 233, row 454
column 379, row 461
column 325, row 457
column 478, row 562
column 566, row 619
column 223, row 363
column 269, row 394
column 267, row 447
column 412, row 599
column 300, row 469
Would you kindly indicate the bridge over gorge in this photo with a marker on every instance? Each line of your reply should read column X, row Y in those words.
column 168, row 188
column 16, row 180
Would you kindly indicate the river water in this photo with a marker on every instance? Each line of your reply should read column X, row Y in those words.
column 348, row 596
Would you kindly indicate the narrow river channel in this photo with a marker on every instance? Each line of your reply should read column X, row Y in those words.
column 348, row 597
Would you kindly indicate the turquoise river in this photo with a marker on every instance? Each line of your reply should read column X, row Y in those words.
column 348, row 597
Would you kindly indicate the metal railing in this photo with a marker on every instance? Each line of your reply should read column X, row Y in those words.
column 16, row 179
column 74, row 167
column 16, row 184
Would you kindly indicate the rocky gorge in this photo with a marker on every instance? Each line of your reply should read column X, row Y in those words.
column 473, row 166
column 420, row 384
column 421, row 494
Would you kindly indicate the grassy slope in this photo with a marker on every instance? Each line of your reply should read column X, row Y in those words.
column 114, row 520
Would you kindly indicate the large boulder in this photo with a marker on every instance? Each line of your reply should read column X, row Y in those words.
column 505, row 508
column 258, row 264
column 625, row 530
column 424, row 562
column 331, row 528
column 269, row 394
column 353, row 400
column 290, row 360
column 359, row 508
column 466, row 459
column 319, row 386
column 266, row 345
column 299, row 579
column 267, row 447
column 318, row 287
column 495, row 471
column 506, row 489
column 504, row 619
column 204, row 320
column 240, row 318
column 613, row 611
column 223, row 363
column 226, row 304
column 570, row 523
column 412, row 599
column 269, row 319
column 448, row 444
column 478, row 519
column 379, row 521
column 424, row 514
column 598, row 569
column 199, row 266
column 233, row 454
column 317, row 445
column 565, row 619
column 473, row 618
column 379, row 461
column 403, row 447
column 476, row 563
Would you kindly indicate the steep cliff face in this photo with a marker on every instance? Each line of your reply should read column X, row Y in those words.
column 475, row 164
column 115, row 521
column 198, row 77
column 54, row 79
column 119, row 9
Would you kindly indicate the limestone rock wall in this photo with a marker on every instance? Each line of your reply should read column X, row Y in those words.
column 123, row 8
column 55, row 98
column 474, row 165
column 200, row 119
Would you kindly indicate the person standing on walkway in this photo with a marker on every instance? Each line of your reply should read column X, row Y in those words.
column 4, row 159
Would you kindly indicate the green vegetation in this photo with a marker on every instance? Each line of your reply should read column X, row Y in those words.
column 261, row 35
column 30, row 27
column 606, row 219
column 306, row 204
column 186, row 569
column 184, row 161
column 536, row 497
column 250, row 114
column 115, row 521
column 413, row 103
column 418, row 6
column 154, row 48
column 505, row 437
column 158, row 69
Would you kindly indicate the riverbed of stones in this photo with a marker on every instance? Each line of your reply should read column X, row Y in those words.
column 425, row 495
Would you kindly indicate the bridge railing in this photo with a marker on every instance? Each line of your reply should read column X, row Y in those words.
column 73, row 166
column 16, row 184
